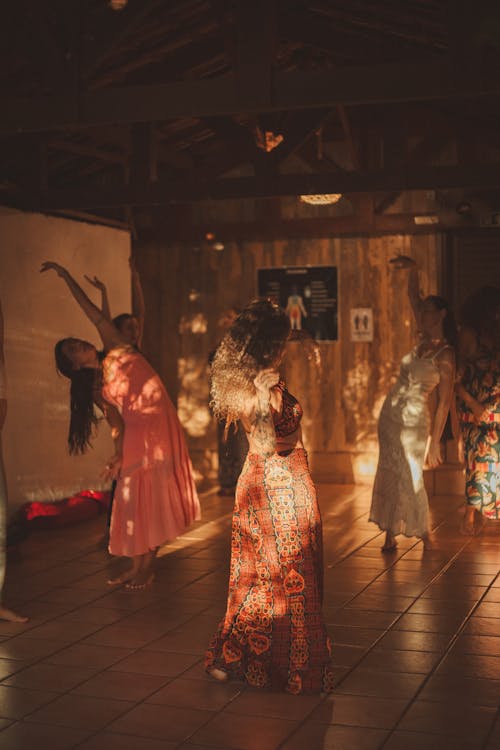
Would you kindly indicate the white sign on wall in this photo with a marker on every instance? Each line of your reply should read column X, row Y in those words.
column 361, row 324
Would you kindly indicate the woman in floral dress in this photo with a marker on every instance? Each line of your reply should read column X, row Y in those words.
column 479, row 407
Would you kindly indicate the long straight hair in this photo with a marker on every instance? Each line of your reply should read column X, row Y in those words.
column 83, row 419
column 449, row 324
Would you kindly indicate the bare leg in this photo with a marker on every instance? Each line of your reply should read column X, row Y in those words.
column 390, row 543
column 467, row 525
column 129, row 574
column 5, row 614
column 145, row 575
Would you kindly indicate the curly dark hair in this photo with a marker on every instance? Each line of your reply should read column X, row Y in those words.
column 82, row 416
column 253, row 343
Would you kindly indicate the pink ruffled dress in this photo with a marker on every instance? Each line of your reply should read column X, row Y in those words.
column 155, row 499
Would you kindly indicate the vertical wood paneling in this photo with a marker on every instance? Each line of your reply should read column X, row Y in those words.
column 342, row 394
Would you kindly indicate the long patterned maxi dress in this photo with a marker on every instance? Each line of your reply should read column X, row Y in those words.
column 155, row 499
column 273, row 634
column 482, row 438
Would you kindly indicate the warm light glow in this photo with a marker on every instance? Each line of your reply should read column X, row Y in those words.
column 117, row 4
column 322, row 199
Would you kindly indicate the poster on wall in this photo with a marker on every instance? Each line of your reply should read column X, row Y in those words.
column 309, row 294
column 361, row 324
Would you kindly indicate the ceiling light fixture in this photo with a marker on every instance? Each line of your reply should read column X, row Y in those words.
column 323, row 199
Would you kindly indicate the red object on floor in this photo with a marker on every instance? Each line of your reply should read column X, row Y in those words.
column 81, row 507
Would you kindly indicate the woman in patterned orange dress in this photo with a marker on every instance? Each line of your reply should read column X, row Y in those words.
column 272, row 634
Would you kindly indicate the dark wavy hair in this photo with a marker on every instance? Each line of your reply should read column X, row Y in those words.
column 82, row 416
column 253, row 343
column 449, row 324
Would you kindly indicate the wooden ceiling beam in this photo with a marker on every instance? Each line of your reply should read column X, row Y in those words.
column 163, row 192
column 270, row 229
column 364, row 84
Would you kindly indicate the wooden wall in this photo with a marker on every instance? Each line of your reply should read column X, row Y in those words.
column 341, row 385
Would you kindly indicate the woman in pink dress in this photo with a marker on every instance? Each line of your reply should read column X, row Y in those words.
column 155, row 498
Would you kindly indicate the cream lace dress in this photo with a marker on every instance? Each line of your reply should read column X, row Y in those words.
column 399, row 503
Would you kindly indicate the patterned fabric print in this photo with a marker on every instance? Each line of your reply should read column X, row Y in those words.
column 288, row 420
column 482, row 440
column 273, row 634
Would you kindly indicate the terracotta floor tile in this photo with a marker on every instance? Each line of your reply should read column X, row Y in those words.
column 80, row 655
column 346, row 636
column 471, row 665
column 206, row 695
column 470, row 722
column 81, row 711
column 164, row 663
column 359, row 711
column 22, row 736
column 9, row 667
column 380, row 684
column 489, row 609
column 459, row 689
column 440, row 607
column 429, row 623
column 312, row 735
column 409, row 640
column 99, row 616
column 478, row 644
column 125, row 635
column 16, row 702
column 277, row 705
column 411, row 662
column 378, row 602
column 44, row 676
column 424, row 741
column 130, row 687
column 63, row 631
column 346, row 656
column 161, row 722
column 113, row 741
column 482, row 626
column 25, row 648
column 244, row 732
column 364, row 618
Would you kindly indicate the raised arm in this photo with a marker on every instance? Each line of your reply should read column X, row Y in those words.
column 101, row 286
column 445, row 392
column 109, row 334
column 3, row 393
column 403, row 261
column 138, row 306
column 262, row 433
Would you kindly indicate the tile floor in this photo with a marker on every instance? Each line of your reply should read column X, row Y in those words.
column 417, row 644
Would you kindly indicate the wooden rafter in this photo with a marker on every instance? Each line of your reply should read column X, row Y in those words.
column 192, row 189
column 223, row 95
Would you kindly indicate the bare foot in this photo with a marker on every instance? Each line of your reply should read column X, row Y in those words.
column 390, row 543
column 480, row 522
column 428, row 542
column 218, row 674
column 467, row 525
column 140, row 581
column 120, row 580
column 10, row 616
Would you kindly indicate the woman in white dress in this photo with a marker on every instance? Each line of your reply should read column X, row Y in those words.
column 413, row 418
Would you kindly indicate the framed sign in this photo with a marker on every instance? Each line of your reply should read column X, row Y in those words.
column 309, row 294
column 361, row 324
